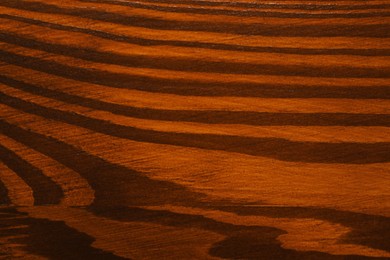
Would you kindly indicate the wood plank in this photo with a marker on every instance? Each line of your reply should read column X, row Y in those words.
column 194, row 129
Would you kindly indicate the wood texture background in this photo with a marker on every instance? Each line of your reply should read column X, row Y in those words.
column 194, row 129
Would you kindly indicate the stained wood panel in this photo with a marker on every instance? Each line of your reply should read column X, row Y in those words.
column 194, row 129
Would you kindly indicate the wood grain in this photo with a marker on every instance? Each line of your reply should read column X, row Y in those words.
column 194, row 129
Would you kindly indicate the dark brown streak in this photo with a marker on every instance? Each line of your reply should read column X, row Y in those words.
column 50, row 239
column 289, row 30
column 194, row 88
column 251, row 12
column 45, row 191
column 369, row 230
column 277, row 148
column 190, row 64
column 4, row 199
column 256, row 5
column 249, row 242
column 186, row 87
column 143, row 191
column 114, row 185
column 210, row 117
column 212, row 46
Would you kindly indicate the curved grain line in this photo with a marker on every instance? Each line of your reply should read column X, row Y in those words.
column 209, row 38
column 329, row 30
column 355, row 5
column 188, row 87
column 97, row 110
column 115, row 185
column 256, row 13
column 4, row 194
column 94, row 72
column 4, row 197
column 139, row 104
column 269, row 8
column 31, row 237
column 249, row 16
column 45, row 191
column 13, row 55
column 14, row 189
column 109, row 75
column 276, row 185
column 232, row 117
column 76, row 191
column 204, row 45
column 113, row 236
column 83, row 47
column 269, row 147
column 306, row 229
column 107, row 111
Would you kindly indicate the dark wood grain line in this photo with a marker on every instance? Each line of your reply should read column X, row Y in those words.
column 255, row 13
column 141, row 187
column 210, row 117
column 248, row 242
column 322, row 30
column 50, row 239
column 4, row 198
column 256, row 5
column 45, row 191
column 111, row 79
column 190, row 64
column 370, row 230
column 333, row 51
column 194, row 44
column 115, row 185
column 193, row 88
column 277, row 148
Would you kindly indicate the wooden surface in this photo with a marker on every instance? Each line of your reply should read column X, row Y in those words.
column 194, row 129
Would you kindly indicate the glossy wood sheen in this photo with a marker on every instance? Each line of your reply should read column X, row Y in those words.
column 194, row 129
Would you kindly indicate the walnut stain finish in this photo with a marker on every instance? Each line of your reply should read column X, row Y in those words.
column 194, row 129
